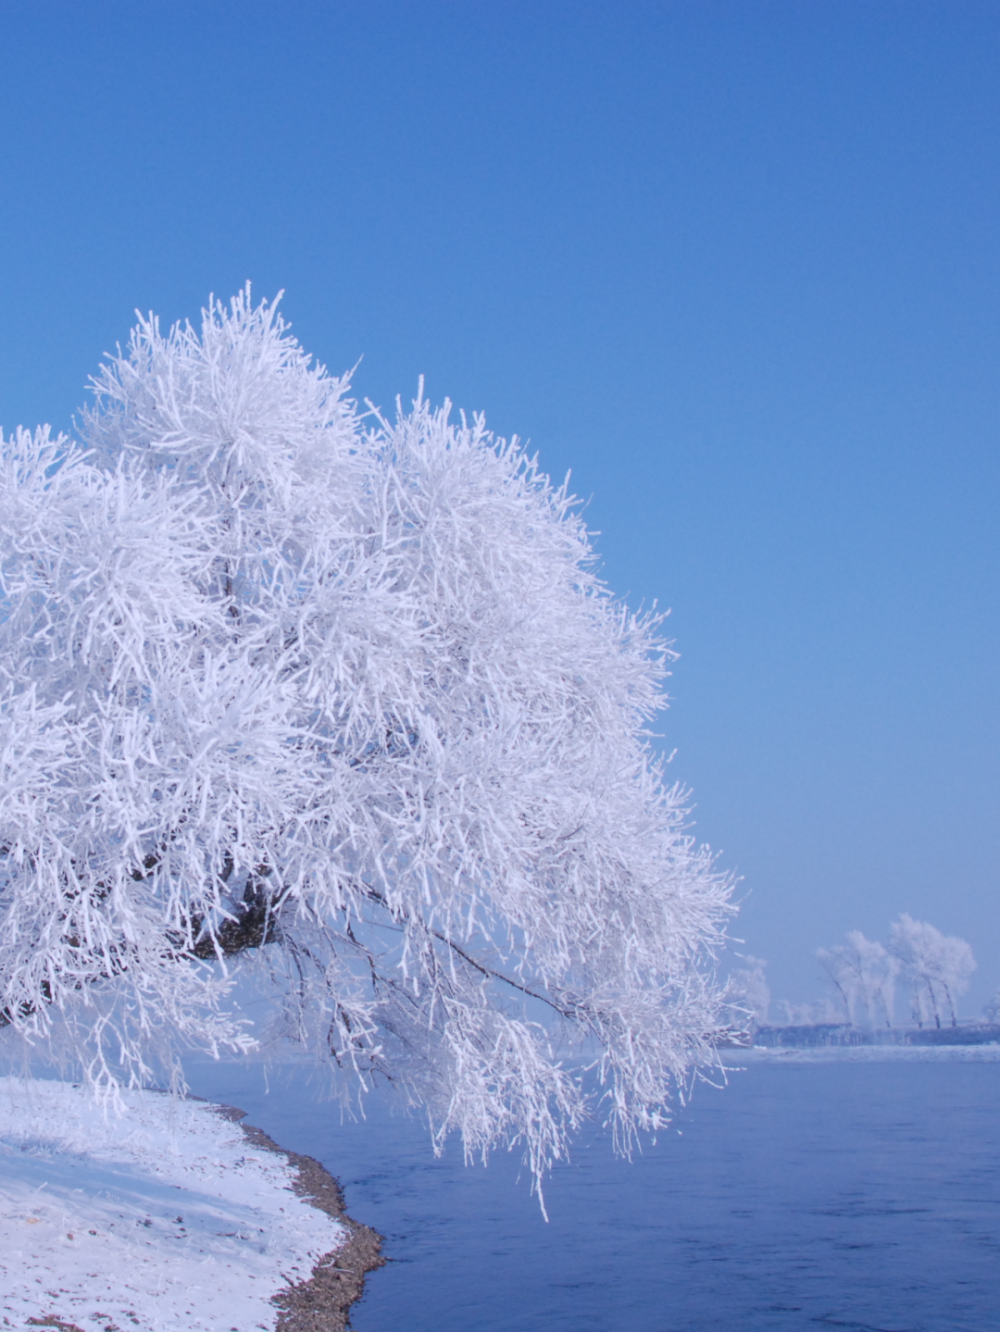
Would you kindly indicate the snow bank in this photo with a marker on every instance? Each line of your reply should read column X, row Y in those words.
column 161, row 1217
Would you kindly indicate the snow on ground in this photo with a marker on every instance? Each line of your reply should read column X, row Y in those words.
column 162, row 1216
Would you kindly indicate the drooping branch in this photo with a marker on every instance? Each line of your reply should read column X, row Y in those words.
column 490, row 973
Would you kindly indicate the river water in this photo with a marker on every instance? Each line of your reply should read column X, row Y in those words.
column 808, row 1193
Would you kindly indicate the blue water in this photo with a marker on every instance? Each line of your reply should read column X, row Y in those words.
column 802, row 1196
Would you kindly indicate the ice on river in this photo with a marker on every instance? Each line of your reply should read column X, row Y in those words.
column 161, row 1215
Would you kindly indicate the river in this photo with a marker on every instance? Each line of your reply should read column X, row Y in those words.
column 808, row 1193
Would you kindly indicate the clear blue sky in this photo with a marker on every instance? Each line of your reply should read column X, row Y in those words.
column 735, row 263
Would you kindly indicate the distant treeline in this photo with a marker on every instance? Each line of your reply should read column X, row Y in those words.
column 816, row 1034
column 866, row 979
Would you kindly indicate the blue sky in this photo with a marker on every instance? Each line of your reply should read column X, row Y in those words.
column 734, row 263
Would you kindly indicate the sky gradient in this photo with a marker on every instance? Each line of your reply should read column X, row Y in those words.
column 734, row 264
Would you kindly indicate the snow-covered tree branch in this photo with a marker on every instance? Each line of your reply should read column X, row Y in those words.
column 339, row 699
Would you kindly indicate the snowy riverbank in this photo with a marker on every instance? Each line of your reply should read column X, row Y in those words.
column 167, row 1215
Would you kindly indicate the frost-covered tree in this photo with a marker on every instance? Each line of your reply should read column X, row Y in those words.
column 810, row 1015
column 748, row 992
column 863, row 973
column 339, row 702
column 935, row 966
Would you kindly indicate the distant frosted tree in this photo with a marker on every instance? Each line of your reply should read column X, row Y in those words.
column 339, row 700
column 808, row 1015
column 936, row 967
column 748, row 991
column 863, row 974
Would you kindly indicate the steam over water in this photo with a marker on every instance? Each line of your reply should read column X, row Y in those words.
column 861, row 1194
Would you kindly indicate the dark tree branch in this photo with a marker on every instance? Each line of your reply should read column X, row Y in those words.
column 572, row 1012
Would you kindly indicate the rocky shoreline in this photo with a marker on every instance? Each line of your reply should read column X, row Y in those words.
column 321, row 1303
